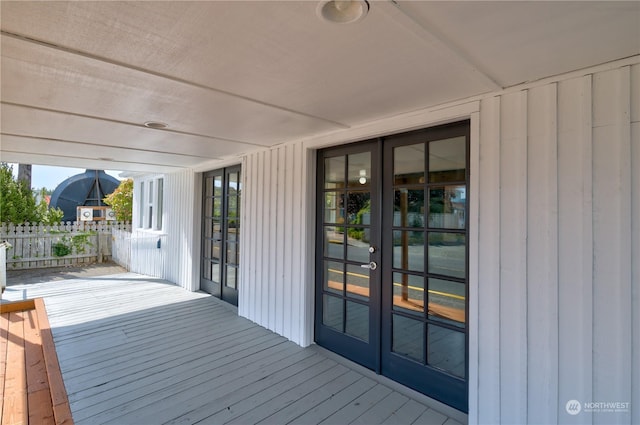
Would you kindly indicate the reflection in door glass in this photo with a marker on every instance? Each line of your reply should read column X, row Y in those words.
column 448, row 160
column 408, row 164
column 357, row 323
column 408, row 208
column 334, row 207
column 359, row 170
column 447, row 206
column 332, row 312
column 447, row 301
column 357, row 282
column 447, row 254
column 408, row 337
column 333, row 277
column 446, row 350
column 408, row 250
column 334, row 242
column 334, row 173
column 408, row 293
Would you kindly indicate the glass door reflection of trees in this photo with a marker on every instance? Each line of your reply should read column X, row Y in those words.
column 221, row 233
column 428, row 255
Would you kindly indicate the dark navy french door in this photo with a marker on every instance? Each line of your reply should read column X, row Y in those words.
column 392, row 257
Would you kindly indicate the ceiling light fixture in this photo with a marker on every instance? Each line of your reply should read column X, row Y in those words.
column 156, row 124
column 343, row 11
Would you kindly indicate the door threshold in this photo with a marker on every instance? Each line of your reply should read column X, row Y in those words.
column 396, row 386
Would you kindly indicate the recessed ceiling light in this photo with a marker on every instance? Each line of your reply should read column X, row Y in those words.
column 343, row 11
column 155, row 124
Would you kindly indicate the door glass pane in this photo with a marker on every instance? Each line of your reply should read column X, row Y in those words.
column 333, row 277
column 232, row 253
column 447, row 205
column 208, row 207
column 359, row 208
column 408, row 293
column 208, row 228
column 334, row 172
column 447, row 160
column 358, row 244
column 233, row 181
column 334, row 207
column 357, row 282
column 206, row 270
column 217, row 229
column 447, row 254
column 408, row 337
column 215, row 250
column 359, row 170
column 447, row 350
column 231, row 277
column 332, row 313
column 215, row 272
column 208, row 186
column 357, row 323
column 217, row 185
column 334, row 242
column 217, row 207
column 408, row 208
column 408, row 250
column 447, row 301
column 408, row 164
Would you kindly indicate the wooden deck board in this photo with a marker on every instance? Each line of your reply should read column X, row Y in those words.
column 4, row 332
column 15, row 384
column 134, row 350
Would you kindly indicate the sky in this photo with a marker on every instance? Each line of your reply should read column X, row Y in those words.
column 50, row 177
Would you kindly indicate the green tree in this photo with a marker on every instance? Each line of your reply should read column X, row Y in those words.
column 17, row 203
column 121, row 200
column 46, row 214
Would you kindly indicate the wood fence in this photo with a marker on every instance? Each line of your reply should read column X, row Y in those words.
column 121, row 247
column 39, row 246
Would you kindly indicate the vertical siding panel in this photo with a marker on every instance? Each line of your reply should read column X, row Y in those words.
column 575, row 246
column 612, row 240
column 252, row 239
column 267, row 237
column 513, row 254
column 245, row 290
column 489, row 264
column 635, row 243
column 279, row 241
column 260, row 225
column 288, row 252
column 299, row 312
column 542, row 256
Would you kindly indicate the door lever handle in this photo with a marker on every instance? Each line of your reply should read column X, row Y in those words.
column 371, row 266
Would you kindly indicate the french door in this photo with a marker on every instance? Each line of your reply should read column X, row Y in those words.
column 221, row 233
column 392, row 257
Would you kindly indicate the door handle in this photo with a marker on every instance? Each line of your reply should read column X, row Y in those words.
column 371, row 266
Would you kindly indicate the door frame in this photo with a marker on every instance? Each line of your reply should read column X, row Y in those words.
column 405, row 123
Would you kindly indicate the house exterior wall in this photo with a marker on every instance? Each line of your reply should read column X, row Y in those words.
column 177, row 258
column 554, row 307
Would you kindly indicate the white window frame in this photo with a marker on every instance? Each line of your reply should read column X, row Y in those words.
column 150, row 205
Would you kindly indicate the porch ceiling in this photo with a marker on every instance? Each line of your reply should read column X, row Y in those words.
column 80, row 79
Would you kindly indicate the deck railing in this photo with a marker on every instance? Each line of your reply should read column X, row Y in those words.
column 35, row 246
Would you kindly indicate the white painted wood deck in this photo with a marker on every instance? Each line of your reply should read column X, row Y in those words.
column 137, row 350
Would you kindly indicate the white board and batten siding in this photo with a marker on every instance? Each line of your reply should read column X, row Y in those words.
column 276, row 258
column 555, row 273
column 559, row 251
column 558, row 254
column 177, row 258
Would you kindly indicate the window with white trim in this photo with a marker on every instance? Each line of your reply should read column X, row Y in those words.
column 150, row 203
